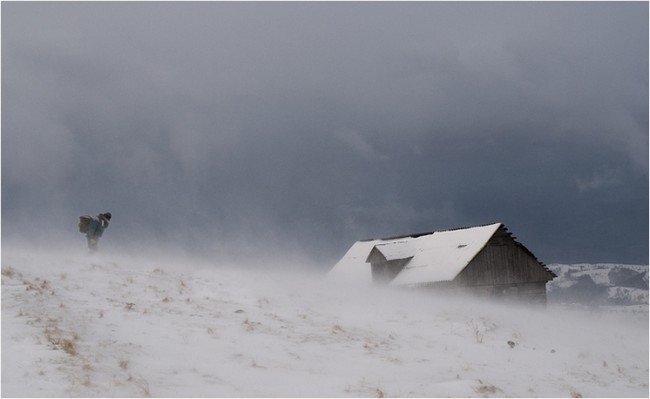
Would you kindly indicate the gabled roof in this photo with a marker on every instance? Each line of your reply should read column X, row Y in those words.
column 395, row 250
column 437, row 256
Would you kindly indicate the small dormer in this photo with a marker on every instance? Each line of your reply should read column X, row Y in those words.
column 387, row 260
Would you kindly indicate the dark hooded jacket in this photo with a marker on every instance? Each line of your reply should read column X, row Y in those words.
column 96, row 226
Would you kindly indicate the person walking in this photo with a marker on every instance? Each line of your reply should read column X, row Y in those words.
column 93, row 227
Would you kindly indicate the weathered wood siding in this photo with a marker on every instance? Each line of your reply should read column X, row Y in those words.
column 503, row 262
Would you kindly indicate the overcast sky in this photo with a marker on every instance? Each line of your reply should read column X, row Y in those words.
column 303, row 127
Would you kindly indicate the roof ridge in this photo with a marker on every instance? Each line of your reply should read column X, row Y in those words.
column 416, row 235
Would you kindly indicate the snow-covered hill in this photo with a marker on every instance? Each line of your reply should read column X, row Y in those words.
column 602, row 284
column 79, row 325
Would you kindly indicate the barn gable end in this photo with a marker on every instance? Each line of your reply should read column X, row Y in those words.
column 503, row 261
column 505, row 268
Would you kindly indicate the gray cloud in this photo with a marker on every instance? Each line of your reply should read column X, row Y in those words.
column 305, row 126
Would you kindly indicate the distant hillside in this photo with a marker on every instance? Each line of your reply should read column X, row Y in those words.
column 601, row 284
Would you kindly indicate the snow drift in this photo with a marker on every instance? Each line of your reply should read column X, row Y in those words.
column 103, row 325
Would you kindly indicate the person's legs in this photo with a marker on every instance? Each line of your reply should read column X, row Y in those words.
column 91, row 235
column 92, row 244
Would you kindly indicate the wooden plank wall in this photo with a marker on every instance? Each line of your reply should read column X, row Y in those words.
column 503, row 261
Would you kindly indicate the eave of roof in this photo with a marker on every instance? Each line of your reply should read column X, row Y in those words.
column 522, row 246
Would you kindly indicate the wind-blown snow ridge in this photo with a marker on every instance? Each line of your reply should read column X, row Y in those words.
column 74, row 325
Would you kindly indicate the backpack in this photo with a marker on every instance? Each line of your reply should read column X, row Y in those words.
column 83, row 223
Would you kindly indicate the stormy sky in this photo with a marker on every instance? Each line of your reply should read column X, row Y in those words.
column 299, row 128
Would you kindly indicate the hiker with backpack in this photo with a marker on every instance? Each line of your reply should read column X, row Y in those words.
column 94, row 227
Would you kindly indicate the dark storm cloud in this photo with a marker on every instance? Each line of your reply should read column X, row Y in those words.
column 306, row 126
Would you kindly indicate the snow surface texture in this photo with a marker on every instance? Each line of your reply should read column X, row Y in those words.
column 102, row 325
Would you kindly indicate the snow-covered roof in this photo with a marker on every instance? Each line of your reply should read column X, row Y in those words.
column 396, row 250
column 353, row 266
column 438, row 256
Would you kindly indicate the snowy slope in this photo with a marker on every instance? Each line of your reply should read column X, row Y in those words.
column 78, row 325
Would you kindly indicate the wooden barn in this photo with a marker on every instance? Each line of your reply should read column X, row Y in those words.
column 486, row 260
